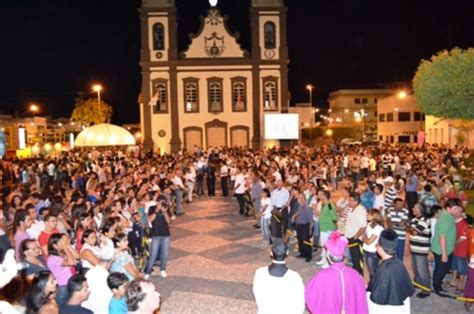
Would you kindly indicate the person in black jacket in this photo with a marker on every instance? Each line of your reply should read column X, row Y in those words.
column 160, row 238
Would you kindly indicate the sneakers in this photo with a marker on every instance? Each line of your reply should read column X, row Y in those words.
column 146, row 277
column 173, row 217
column 163, row 274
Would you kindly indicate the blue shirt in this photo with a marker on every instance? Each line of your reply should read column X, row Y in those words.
column 117, row 306
column 367, row 199
column 413, row 185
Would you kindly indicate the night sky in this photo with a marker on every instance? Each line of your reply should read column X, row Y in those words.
column 52, row 49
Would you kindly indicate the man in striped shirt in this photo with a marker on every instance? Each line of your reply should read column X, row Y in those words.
column 420, row 232
column 397, row 218
column 390, row 193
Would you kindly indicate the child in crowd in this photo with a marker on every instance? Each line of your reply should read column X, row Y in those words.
column 118, row 283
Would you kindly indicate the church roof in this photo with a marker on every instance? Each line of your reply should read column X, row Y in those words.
column 267, row 3
column 214, row 40
column 158, row 3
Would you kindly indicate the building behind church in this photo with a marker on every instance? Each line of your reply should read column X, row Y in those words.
column 214, row 93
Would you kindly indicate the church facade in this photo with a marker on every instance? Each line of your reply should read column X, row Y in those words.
column 214, row 93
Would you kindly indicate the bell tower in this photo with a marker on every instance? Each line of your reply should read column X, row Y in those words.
column 158, row 48
column 270, row 58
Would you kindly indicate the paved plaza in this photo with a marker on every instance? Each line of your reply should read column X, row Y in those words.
column 213, row 257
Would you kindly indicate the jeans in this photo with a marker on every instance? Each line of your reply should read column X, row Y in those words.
column 266, row 228
column 371, row 260
column 161, row 245
column 324, row 238
column 240, row 200
column 190, row 191
column 179, row 201
column 315, row 233
column 211, row 187
column 421, row 270
column 224, row 186
column 62, row 296
column 303, row 235
column 355, row 178
column 200, row 187
column 412, row 199
column 401, row 249
column 440, row 271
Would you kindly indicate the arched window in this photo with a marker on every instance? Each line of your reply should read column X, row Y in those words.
column 158, row 37
column 191, row 95
column 239, row 101
column 270, row 95
column 270, row 35
column 215, row 95
column 159, row 100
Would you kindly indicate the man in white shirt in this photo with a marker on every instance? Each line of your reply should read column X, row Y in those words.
column 239, row 189
column 37, row 226
column 278, row 289
column 178, row 192
column 224, row 174
column 354, row 228
column 280, row 219
column 100, row 293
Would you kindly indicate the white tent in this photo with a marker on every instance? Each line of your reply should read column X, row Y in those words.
column 104, row 135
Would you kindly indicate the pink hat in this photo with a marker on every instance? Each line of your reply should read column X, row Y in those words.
column 337, row 244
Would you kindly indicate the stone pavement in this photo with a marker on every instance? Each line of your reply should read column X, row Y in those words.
column 213, row 257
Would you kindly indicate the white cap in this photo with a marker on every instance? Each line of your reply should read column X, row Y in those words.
column 388, row 180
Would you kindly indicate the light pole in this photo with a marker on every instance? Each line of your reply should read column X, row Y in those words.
column 97, row 88
column 310, row 88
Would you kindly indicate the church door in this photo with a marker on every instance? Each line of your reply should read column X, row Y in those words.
column 192, row 138
column 239, row 136
column 216, row 136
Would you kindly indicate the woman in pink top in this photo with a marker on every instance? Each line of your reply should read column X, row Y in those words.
column 61, row 258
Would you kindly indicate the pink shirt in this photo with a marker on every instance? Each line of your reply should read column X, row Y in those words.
column 19, row 237
column 61, row 273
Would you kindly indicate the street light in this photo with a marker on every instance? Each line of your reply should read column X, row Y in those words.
column 310, row 88
column 34, row 108
column 97, row 88
column 402, row 94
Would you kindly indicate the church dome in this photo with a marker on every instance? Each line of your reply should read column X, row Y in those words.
column 104, row 135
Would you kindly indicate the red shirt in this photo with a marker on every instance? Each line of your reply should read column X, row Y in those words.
column 44, row 238
column 453, row 194
column 462, row 230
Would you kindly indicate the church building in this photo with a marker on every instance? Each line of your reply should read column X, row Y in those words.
column 214, row 93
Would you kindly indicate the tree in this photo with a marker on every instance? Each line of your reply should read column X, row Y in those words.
column 444, row 85
column 91, row 112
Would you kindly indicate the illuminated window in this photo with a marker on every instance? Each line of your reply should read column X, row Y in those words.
column 159, row 100
column 215, row 95
column 191, row 95
column 239, row 99
column 270, row 100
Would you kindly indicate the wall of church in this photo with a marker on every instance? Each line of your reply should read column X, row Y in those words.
column 204, row 116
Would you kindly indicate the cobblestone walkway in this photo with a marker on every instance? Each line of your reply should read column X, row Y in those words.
column 213, row 257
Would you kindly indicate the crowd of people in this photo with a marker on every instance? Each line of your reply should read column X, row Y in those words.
column 87, row 228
